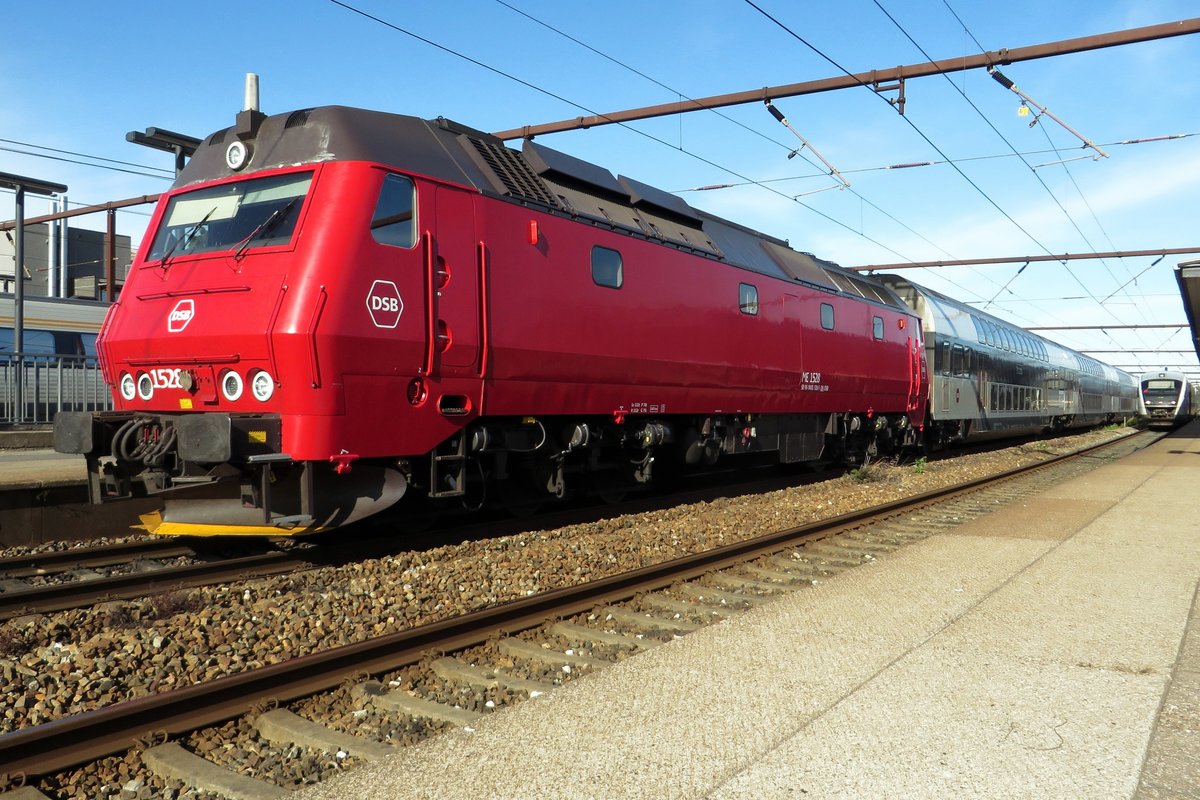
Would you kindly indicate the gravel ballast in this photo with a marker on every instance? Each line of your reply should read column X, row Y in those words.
column 52, row 666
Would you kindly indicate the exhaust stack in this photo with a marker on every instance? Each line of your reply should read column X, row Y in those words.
column 251, row 102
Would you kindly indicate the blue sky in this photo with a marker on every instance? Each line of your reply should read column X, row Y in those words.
column 76, row 76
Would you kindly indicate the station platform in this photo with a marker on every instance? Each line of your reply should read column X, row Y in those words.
column 44, row 497
column 40, row 467
column 1050, row 649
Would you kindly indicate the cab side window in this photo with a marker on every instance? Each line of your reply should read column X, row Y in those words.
column 748, row 298
column 392, row 222
column 607, row 267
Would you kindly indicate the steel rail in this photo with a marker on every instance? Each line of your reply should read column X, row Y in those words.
column 91, row 735
column 54, row 561
column 76, row 594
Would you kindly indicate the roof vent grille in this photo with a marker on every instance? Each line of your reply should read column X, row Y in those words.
column 510, row 173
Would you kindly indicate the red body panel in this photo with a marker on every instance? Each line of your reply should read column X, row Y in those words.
column 508, row 327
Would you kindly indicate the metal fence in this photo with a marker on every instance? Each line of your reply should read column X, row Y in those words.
column 49, row 384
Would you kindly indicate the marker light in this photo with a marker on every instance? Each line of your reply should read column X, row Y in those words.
column 145, row 386
column 231, row 385
column 262, row 385
column 128, row 386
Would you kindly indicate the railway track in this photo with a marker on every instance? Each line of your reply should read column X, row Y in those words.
column 141, row 574
column 551, row 635
column 78, row 577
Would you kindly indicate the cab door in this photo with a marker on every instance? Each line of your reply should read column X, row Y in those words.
column 392, row 277
column 456, row 266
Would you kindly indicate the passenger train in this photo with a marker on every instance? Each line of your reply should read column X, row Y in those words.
column 58, row 366
column 990, row 378
column 340, row 308
column 1168, row 398
column 52, row 326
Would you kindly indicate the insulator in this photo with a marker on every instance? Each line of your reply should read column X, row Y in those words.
column 1000, row 78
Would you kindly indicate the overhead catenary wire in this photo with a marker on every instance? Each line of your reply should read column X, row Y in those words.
column 112, row 164
column 1003, row 138
column 750, row 182
column 581, row 107
column 778, row 116
column 1033, row 168
column 938, row 163
column 911, row 124
column 1140, row 140
column 924, row 136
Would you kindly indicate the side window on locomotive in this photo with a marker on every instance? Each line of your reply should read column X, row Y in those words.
column 827, row 316
column 877, row 327
column 607, row 269
column 392, row 222
column 748, row 298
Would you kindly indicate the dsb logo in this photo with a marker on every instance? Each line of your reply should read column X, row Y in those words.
column 181, row 315
column 385, row 303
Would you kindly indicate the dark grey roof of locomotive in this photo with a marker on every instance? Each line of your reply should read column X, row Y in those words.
column 536, row 176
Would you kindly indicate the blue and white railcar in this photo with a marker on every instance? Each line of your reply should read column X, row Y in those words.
column 990, row 378
column 1167, row 398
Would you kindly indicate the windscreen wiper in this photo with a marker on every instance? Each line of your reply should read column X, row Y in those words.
column 266, row 226
column 187, row 237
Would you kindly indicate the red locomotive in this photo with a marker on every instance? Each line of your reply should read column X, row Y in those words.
column 336, row 307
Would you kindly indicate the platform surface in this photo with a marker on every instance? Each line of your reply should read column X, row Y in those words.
column 1050, row 649
column 30, row 468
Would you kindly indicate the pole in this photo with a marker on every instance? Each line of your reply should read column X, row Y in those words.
column 19, row 309
column 20, row 184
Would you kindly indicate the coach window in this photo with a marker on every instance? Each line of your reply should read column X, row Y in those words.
column 38, row 342
column 877, row 327
column 748, row 298
column 827, row 316
column 607, row 269
column 956, row 360
column 392, row 222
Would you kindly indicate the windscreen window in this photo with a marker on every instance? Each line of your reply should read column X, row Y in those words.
column 392, row 222
column 232, row 216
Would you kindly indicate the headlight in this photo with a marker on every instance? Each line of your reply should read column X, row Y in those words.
column 145, row 386
column 128, row 386
column 262, row 385
column 231, row 385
